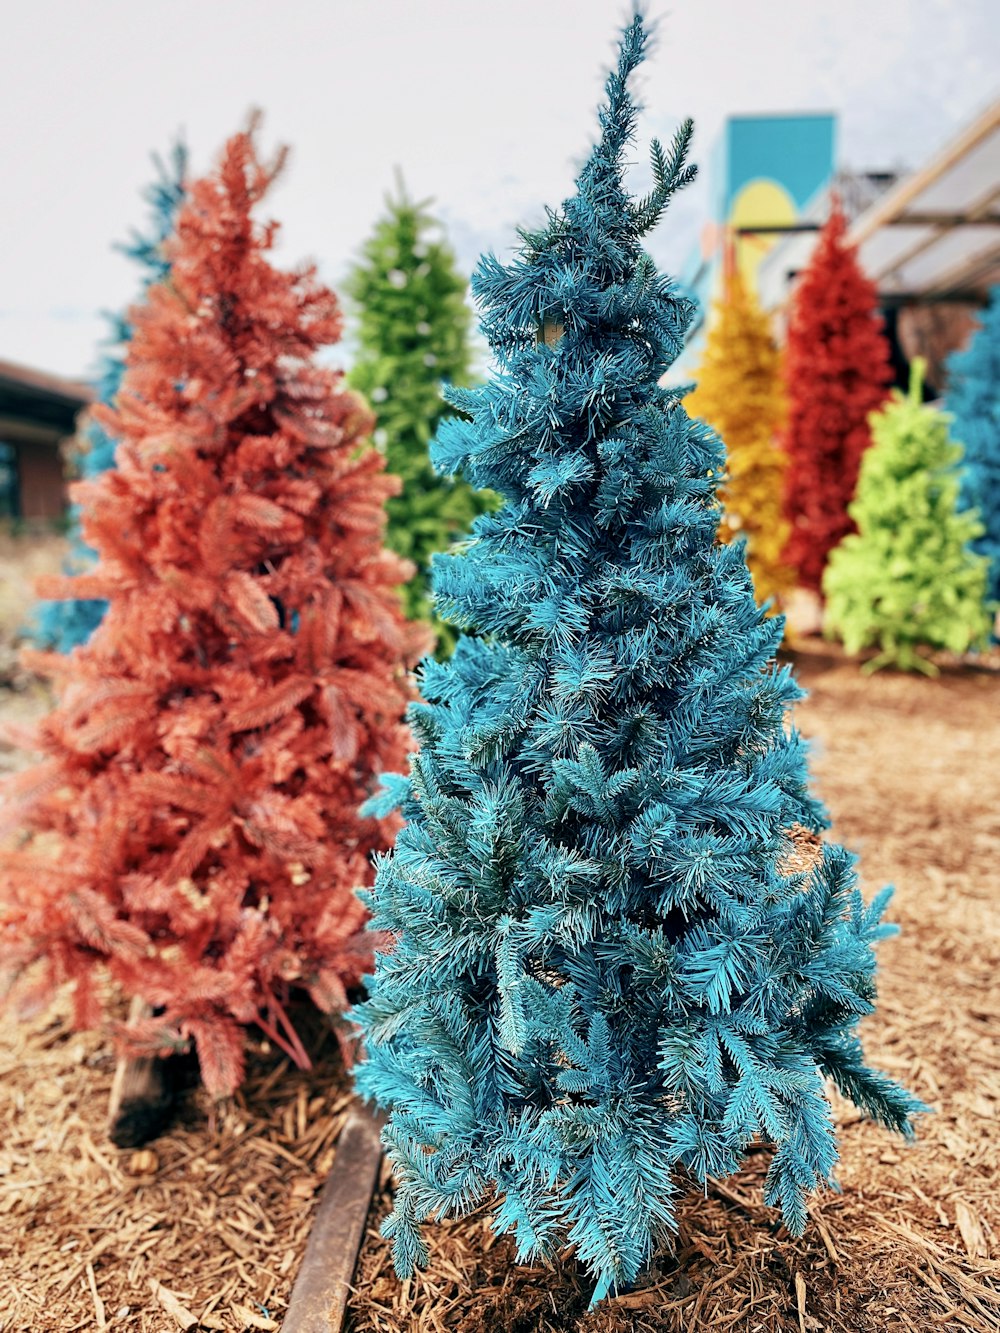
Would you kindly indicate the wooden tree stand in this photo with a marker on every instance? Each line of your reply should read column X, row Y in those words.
column 143, row 1092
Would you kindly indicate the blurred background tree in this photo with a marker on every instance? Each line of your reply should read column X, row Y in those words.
column 193, row 828
column 413, row 332
column 907, row 580
column 64, row 625
column 837, row 369
column 740, row 394
column 974, row 402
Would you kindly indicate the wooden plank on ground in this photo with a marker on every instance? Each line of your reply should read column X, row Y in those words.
column 318, row 1302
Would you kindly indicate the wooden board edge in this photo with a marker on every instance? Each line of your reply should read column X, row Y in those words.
column 318, row 1302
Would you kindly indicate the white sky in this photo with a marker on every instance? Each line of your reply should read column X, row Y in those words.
column 485, row 104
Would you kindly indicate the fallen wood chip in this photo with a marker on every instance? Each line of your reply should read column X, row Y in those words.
column 975, row 1293
column 632, row 1300
column 825, row 1236
column 143, row 1163
column 804, row 852
column 971, row 1230
column 173, row 1306
column 99, row 1311
column 800, row 1300
column 253, row 1320
column 733, row 1196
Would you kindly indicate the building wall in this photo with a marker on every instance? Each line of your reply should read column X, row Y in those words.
column 38, row 412
column 40, row 480
column 934, row 332
column 31, row 473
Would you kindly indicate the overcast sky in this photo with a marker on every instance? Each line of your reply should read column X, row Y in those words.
column 486, row 105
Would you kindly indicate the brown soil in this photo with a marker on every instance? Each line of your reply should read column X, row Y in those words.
column 910, row 769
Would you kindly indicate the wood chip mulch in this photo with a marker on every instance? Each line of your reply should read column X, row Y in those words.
column 202, row 1229
column 205, row 1228
column 910, row 769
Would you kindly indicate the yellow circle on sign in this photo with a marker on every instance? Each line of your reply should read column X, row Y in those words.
column 760, row 203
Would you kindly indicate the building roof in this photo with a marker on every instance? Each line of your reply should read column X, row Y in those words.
column 935, row 235
column 930, row 235
column 49, row 386
column 35, row 399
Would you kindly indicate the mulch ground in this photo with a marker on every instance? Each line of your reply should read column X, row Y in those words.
column 203, row 1229
column 206, row 1228
column 910, row 770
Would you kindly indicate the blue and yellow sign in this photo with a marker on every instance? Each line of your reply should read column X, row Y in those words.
column 763, row 172
column 766, row 170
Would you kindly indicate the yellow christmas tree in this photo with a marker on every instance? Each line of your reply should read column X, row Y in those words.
column 740, row 394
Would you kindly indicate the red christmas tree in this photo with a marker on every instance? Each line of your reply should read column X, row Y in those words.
column 193, row 829
column 837, row 372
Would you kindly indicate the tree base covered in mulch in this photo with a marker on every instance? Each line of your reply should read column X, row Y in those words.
column 205, row 1229
column 910, row 770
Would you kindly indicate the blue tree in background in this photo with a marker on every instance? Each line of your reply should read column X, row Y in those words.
column 974, row 402
column 65, row 624
column 621, row 953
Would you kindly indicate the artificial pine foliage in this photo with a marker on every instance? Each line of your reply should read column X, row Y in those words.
column 740, row 394
column 607, row 977
column 974, row 402
column 837, row 371
column 908, row 580
column 193, row 829
column 413, row 333
column 64, row 624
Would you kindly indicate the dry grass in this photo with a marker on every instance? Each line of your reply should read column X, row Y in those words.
column 23, row 559
column 23, row 697
column 910, row 769
column 22, row 704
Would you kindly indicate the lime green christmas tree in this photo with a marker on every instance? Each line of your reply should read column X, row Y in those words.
column 413, row 335
column 908, row 581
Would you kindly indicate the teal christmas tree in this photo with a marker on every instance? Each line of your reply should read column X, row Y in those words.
column 974, row 402
column 413, row 334
column 611, row 970
column 65, row 624
column 907, row 581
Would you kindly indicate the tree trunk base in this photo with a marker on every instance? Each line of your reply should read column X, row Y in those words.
column 143, row 1093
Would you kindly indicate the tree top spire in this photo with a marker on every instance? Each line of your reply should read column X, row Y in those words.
column 601, row 205
column 618, row 116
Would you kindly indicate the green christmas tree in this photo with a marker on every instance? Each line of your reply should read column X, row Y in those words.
column 413, row 335
column 907, row 581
